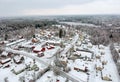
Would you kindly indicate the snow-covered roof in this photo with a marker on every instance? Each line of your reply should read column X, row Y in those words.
column 77, row 52
column 101, row 46
column 5, row 60
column 17, row 58
column 4, row 53
column 38, row 47
column 80, row 64
column 19, row 67
column 87, row 54
column 55, row 42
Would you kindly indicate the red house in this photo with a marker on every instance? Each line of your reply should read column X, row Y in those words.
column 39, row 50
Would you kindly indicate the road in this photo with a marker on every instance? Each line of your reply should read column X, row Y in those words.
column 15, row 42
column 69, row 46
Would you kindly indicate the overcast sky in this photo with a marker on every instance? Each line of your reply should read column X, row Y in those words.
column 58, row 7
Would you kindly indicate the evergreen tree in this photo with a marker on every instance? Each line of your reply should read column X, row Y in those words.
column 60, row 33
column 6, row 36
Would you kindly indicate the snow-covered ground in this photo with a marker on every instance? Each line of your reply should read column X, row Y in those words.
column 83, row 66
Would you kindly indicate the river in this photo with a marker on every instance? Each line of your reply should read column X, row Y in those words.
column 79, row 23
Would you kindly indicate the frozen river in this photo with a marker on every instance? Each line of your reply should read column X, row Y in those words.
column 80, row 23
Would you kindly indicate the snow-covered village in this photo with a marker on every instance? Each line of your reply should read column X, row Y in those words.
column 59, row 40
column 61, row 53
